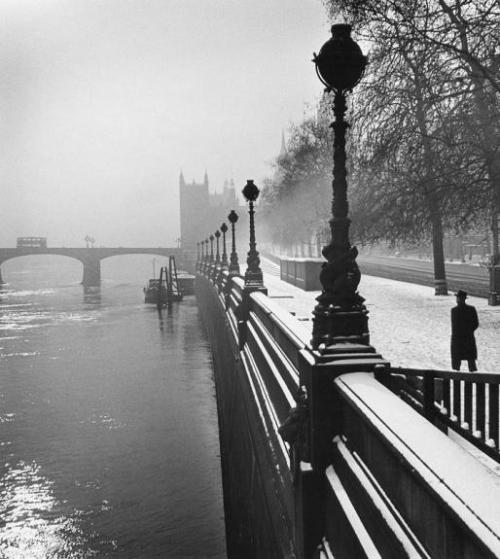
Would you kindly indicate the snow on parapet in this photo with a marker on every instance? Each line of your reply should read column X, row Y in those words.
column 462, row 483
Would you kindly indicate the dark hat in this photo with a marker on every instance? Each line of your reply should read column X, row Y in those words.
column 461, row 293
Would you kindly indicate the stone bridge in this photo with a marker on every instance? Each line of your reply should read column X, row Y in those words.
column 89, row 257
column 334, row 453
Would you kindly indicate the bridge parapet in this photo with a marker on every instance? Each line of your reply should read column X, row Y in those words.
column 352, row 471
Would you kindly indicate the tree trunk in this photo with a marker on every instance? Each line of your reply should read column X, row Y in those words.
column 495, row 258
column 440, row 284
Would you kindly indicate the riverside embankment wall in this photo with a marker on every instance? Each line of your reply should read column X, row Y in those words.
column 360, row 473
column 257, row 518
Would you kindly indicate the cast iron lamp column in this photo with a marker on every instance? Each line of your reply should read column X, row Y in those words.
column 216, row 269
column 223, row 228
column 253, row 274
column 234, row 266
column 217, row 253
column 212, row 261
column 219, row 275
column 340, row 315
column 207, row 258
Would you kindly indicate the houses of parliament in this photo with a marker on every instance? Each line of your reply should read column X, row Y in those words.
column 202, row 212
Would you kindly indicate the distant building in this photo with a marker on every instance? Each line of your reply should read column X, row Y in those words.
column 226, row 198
column 202, row 212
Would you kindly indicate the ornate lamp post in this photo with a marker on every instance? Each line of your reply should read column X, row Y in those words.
column 253, row 274
column 234, row 266
column 223, row 228
column 198, row 256
column 340, row 314
column 217, row 253
column 211, row 262
column 207, row 257
column 216, row 268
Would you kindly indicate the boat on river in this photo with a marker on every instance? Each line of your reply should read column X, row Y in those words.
column 186, row 282
column 163, row 291
column 154, row 292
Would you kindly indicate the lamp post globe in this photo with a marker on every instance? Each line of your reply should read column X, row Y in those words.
column 340, row 64
column 250, row 191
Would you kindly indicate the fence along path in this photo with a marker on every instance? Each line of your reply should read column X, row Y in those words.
column 468, row 403
column 394, row 482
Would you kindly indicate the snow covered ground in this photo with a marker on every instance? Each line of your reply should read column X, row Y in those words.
column 409, row 325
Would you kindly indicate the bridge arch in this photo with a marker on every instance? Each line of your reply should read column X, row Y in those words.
column 89, row 257
column 72, row 271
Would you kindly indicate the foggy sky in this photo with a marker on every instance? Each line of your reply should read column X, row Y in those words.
column 103, row 102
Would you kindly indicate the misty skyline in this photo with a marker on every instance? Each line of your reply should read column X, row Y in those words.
column 102, row 104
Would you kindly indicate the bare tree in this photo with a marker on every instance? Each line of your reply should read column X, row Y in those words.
column 463, row 35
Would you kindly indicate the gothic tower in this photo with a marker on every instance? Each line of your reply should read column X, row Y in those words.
column 194, row 202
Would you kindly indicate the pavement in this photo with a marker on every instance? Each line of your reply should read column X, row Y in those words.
column 409, row 325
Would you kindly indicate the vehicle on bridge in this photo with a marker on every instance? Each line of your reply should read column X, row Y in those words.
column 31, row 242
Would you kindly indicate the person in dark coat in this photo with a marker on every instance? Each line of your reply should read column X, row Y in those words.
column 463, row 324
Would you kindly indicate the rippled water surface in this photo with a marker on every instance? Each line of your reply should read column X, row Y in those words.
column 108, row 426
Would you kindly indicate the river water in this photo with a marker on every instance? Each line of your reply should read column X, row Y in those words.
column 108, row 424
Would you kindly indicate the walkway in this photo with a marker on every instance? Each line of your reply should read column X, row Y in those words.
column 472, row 278
column 409, row 325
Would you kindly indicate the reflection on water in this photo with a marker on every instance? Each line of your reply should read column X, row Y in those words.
column 108, row 426
column 32, row 526
column 92, row 295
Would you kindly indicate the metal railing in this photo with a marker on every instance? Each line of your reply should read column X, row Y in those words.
column 467, row 403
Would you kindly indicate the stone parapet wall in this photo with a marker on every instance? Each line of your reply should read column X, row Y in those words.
column 359, row 473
